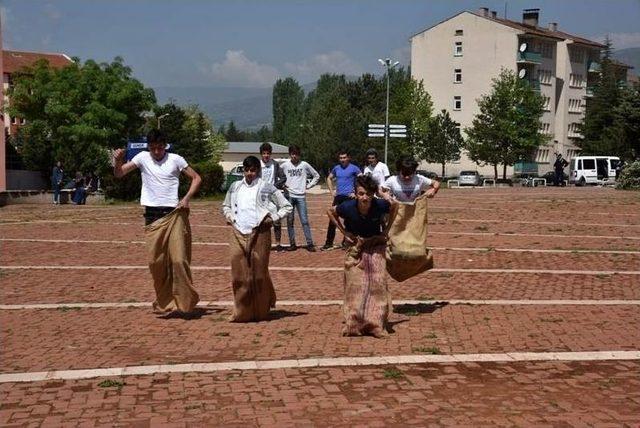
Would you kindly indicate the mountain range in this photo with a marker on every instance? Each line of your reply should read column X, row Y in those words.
column 250, row 108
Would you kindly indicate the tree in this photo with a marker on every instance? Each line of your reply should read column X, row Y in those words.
column 77, row 113
column 600, row 136
column 200, row 141
column 232, row 133
column 442, row 141
column 507, row 128
column 627, row 123
column 288, row 98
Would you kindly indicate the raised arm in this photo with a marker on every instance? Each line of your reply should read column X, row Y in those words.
column 120, row 169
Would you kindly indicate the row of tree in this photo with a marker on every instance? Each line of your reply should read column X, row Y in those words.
column 78, row 113
column 337, row 112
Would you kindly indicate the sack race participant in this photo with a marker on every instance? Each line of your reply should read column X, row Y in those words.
column 251, row 206
column 167, row 230
column 407, row 253
column 367, row 301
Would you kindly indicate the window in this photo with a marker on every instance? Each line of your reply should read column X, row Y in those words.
column 575, row 105
column 589, row 164
column 458, row 49
column 579, row 163
column 576, row 55
column 576, row 80
column 23, row 121
column 457, row 103
column 457, row 75
column 546, row 49
column 545, row 77
column 547, row 103
column 459, row 32
column 14, row 120
column 542, row 156
column 574, row 132
column 545, row 128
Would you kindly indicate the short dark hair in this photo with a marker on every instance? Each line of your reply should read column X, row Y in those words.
column 266, row 147
column 372, row 152
column 156, row 136
column 294, row 149
column 344, row 152
column 251, row 162
column 367, row 182
column 406, row 165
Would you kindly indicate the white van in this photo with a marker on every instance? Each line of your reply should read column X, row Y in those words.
column 593, row 169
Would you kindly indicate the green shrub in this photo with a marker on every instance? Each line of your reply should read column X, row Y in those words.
column 629, row 177
column 126, row 188
column 212, row 178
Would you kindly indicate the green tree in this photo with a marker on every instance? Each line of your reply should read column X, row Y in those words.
column 442, row 141
column 77, row 113
column 232, row 133
column 598, row 128
column 200, row 141
column 172, row 118
column 288, row 99
column 325, row 126
column 262, row 135
column 507, row 128
column 626, row 123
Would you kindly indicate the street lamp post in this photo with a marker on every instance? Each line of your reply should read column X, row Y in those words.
column 162, row 116
column 388, row 64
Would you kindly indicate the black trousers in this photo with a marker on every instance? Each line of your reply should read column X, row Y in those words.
column 152, row 214
column 331, row 230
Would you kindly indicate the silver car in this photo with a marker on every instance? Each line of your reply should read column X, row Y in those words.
column 469, row 178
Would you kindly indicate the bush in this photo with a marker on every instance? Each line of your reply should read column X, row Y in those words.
column 126, row 188
column 212, row 178
column 629, row 177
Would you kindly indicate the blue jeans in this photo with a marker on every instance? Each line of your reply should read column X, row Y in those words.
column 301, row 205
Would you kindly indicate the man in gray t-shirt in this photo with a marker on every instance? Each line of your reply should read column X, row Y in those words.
column 296, row 172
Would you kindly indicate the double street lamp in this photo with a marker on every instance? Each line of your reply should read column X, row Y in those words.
column 388, row 64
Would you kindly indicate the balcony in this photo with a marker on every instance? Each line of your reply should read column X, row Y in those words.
column 529, row 57
column 593, row 67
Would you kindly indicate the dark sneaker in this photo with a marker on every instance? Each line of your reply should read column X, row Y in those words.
column 293, row 247
column 327, row 247
column 278, row 248
column 311, row 248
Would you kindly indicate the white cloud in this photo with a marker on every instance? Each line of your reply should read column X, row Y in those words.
column 238, row 69
column 621, row 40
column 332, row 62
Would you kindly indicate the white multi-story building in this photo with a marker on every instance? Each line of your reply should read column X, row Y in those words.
column 457, row 58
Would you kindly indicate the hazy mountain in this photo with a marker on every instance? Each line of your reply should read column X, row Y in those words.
column 249, row 108
column 630, row 56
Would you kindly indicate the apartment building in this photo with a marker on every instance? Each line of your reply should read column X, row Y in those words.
column 457, row 58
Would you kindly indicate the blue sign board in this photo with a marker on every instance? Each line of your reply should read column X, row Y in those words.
column 136, row 146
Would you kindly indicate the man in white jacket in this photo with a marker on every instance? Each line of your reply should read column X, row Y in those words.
column 296, row 172
column 251, row 206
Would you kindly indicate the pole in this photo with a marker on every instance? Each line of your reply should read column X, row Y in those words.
column 386, row 122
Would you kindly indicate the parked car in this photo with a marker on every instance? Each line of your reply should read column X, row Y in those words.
column 550, row 176
column 232, row 176
column 469, row 178
column 428, row 174
column 593, row 169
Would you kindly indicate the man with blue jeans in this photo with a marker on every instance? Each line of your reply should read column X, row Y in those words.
column 344, row 174
column 296, row 172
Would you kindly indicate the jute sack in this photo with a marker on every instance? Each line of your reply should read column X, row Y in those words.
column 407, row 254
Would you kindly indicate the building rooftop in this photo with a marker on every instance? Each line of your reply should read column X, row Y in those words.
column 13, row 61
column 253, row 147
column 527, row 29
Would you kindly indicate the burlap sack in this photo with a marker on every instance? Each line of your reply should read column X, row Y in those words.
column 169, row 251
column 407, row 254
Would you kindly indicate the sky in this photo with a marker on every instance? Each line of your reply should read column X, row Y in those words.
column 251, row 43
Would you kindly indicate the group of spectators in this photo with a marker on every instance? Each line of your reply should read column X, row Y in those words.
column 81, row 185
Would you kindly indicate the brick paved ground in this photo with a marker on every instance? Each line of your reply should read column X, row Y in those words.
column 482, row 229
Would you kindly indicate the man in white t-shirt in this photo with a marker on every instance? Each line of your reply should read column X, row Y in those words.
column 406, row 186
column 271, row 173
column 376, row 169
column 296, row 172
column 164, row 212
